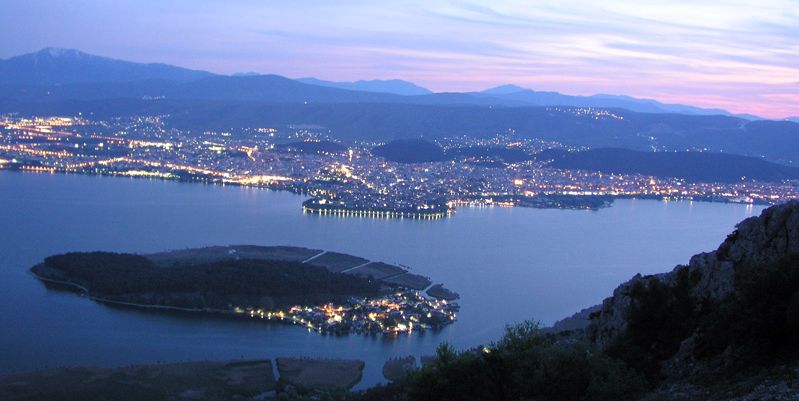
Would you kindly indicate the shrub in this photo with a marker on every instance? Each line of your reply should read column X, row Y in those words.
column 525, row 364
column 760, row 322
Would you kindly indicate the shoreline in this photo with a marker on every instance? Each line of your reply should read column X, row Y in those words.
column 84, row 292
column 385, row 214
column 329, row 318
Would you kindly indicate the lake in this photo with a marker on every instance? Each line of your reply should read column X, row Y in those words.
column 508, row 264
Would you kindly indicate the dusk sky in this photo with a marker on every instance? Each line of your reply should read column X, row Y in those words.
column 742, row 56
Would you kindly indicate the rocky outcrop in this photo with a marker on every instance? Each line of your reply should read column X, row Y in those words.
column 757, row 240
column 577, row 321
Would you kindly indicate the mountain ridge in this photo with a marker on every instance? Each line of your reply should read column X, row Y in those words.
column 393, row 86
column 54, row 66
column 527, row 96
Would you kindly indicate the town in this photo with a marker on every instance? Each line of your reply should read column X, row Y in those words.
column 342, row 179
column 402, row 312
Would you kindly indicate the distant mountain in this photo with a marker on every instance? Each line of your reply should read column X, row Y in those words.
column 61, row 74
column 394, row 86
column 411, row 151
column 504, row 90
column 53, row 66
column 68, row 81
column 692, row 166
column 270, row 88
column 514, row 93
column 262, row 88
column 793, row 119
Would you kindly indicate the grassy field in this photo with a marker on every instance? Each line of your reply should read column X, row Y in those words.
column 217, row 253
column 181, row 381
column 337, row 262
column 377, row 270
column 320, row 373
column 410, row 280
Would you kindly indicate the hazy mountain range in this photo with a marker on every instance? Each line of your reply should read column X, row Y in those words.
column 83, row 76
column 65, row 66
column 395, row 86
column 57, row 81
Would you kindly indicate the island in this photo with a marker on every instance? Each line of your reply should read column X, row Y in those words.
column 327, row 292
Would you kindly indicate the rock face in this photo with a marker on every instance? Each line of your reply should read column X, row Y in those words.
column 756, row 241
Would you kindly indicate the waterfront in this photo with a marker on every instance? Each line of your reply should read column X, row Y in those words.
column 352, row 178
column 508, row 264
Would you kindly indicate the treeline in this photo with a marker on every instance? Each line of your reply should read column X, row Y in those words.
column 218, row 285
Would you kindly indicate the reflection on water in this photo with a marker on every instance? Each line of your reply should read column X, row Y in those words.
column 508, row 264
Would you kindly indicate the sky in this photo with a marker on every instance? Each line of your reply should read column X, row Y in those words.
column 742, row 56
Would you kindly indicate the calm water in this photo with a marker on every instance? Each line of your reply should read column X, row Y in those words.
column 507, row 264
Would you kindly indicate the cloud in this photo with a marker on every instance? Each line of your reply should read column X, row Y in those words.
column 717, row 53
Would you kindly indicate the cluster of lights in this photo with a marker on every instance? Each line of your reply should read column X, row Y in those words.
column 400, row 312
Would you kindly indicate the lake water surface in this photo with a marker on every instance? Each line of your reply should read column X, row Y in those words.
column 508, row 264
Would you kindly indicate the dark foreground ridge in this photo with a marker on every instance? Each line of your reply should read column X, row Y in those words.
column 723, row 327
column 327, row 292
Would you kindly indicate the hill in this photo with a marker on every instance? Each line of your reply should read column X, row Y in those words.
column 513, row 93
column 395, row 86
column 691, row 166
column 411, row 151
column 52, row 66
column 730, row 311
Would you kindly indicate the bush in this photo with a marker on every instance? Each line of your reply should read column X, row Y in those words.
column 525, row 364
column 660, row 318
column 759, row 324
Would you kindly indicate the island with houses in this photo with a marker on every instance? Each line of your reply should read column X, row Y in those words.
column 323, row 291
